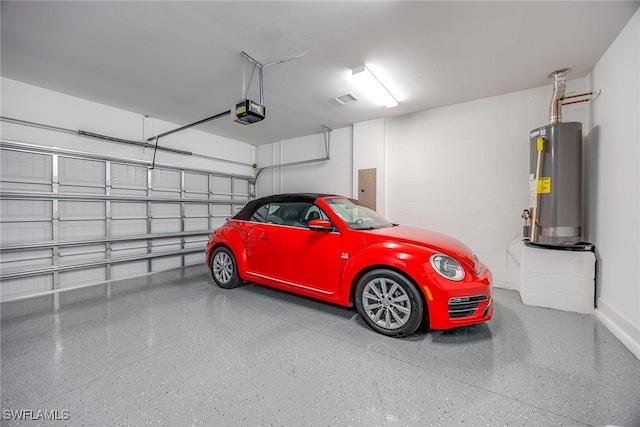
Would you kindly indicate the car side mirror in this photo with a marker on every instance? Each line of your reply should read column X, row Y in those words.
column 320, row 225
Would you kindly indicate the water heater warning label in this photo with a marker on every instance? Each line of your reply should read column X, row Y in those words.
column 532, row 189
column 544, row 185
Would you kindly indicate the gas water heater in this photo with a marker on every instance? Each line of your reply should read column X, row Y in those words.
column 558, row 183
column 555, row 180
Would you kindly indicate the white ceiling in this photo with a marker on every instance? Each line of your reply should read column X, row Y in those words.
column 181, row 61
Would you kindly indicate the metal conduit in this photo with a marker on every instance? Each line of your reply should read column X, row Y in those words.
column 327, row 147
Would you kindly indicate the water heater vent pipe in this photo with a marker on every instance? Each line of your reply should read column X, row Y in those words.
column 559, row 86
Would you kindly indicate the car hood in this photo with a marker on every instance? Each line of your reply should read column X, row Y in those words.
column 438, row 242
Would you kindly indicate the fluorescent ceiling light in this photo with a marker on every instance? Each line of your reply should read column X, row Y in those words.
column 375, row 89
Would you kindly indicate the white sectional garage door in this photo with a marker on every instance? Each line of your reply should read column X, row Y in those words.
column 70, row 219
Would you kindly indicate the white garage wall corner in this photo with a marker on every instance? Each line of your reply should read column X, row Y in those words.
column 331, row 176
column 463, row 170
column 369, row 151
column 269, row 181
column 31, row 103
column 614, row 184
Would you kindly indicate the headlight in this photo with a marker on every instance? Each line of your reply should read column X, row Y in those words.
column 447, row 267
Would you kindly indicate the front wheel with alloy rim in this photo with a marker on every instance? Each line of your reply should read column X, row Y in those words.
column 389, row 303
column 224, row 269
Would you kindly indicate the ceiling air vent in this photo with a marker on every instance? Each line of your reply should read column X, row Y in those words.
column 347, row 99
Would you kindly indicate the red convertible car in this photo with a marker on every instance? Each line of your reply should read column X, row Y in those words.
column 336, row 250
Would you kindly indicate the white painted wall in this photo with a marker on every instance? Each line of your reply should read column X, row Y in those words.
column 332, row 176
column 463, row 170
column 35, row 104
column 614, row 179
column 369, row 152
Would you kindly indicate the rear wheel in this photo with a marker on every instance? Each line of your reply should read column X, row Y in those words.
column 224, row 268
column 389, row 303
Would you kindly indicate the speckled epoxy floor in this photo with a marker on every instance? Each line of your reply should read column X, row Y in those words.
column 173, row 349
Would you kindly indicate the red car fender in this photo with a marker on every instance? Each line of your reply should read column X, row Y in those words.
column 411, row 260
column 229, row 237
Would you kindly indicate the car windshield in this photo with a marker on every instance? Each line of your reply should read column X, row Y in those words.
column 356, row 216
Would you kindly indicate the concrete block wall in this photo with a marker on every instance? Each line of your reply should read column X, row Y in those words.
column 329, row 176
column 369, row 153
column 463, row 170
column 563, row 280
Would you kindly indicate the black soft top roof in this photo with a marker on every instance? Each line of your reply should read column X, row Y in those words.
column 246, row 212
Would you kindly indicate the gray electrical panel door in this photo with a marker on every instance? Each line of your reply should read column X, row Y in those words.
column 367, row 187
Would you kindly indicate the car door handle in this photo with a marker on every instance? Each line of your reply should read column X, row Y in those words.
column 265, row 237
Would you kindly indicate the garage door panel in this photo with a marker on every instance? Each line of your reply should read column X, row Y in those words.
column 25, row 166
column 172, row 243
column 221, row 210
column 128, row 252
column 221, row 186
column 26, row 260
column 6, row 257
column 197, row 210
column 24, row 171
column 165, row 210
column 71, row 210
column 27, row 187
column 25, row 232
column 62, row 229
column 22, row 286
column 196, row 183
column 81, row 230
column 128, row 210
column 195, row 245
column 194, row 259
column 89, row 257
column 165, row 180
column 166, row 225
column 128, row 227
column 166, row 263
column 125, row 246
column 128, row 192
column 84, row 250
column 82, row 172
column 196, row 195
column 165, row 194
column 34, row 210
column 79, row 277
column 80, row 189
column 129, row 177
column 195, row 241
column 241, row 188
column 129, row 269
column 196, row 224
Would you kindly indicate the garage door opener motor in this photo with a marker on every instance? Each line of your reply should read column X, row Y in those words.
column 248, row 111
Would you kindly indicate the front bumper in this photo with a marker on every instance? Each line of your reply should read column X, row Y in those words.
column 454, row 304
